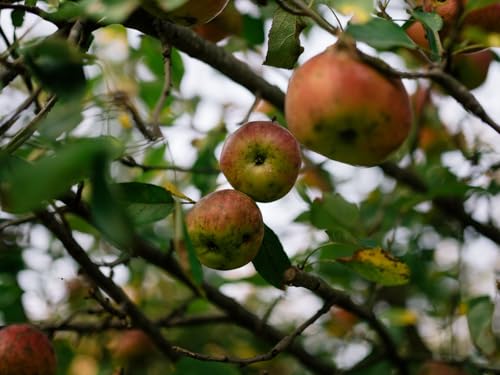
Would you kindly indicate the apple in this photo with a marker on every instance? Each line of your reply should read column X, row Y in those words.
column 131, row 345
column 341, row 322
column 346, row 110
column 261, row 159
column 417, row 33
column 486, row 18
column 228, row 22
column 25, row 350
column 454, row 13
column 440, row 368
column 472, row 68
column 192, row 12
column 226, row 229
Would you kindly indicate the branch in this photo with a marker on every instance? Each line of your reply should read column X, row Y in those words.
column 453, row 87
column 236, row 312
column 187, row 41
column 452, row 207
column 63, row 233
column 295, row 277
column 281, row 346
column 93, row 327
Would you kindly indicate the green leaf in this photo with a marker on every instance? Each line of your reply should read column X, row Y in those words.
column 432, row 23
column 207, row 161
column 377, row 265
column 17, row 17
column 381, row 34
column 145, row 203
column 338, row 216
column 64, row 117
column 107, row 214
column 480, row 320
column 284, row 44
column 29, row 186
column 271, row 261
column 432, row 20
column 194, row 262
column 192, row 366
column 109, row 11
column 58, row 65
column 253, row 30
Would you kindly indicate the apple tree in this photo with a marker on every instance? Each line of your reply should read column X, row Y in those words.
column 249, row 187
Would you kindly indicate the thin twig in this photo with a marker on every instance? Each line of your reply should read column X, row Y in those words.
column 281, row 346
column 23, row 106
column 25, row 133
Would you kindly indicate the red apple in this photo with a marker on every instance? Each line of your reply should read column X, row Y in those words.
column 440, row 368
column 261, row 159
column 342, row 108
column 131, row 345
column 25, row 350
column 472, row 68
column 226, row 229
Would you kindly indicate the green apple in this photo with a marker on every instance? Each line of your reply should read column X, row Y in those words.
column 25, row 350
column 261, row 159
column 226, row 229
column 346, row 110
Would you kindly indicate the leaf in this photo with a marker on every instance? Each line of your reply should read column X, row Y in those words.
column 194, row 263
column 64, row 117
column 108, row 215
column 29, row 186
column 58, row 65
column 480, row 321
column 171, row 188
column 381, row 34
column 432, row 20
column 271, row 261
column 284, row 45
column 103, row 11
column 378, row 265
column 339, row 217
column 145, row 203
column 432, row 23
column 17, row 17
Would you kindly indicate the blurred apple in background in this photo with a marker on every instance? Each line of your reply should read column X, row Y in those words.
column 25, row 350
column 228, row 22
column 472, row 68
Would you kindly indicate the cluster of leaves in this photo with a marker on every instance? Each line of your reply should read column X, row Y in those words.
column 80, row 157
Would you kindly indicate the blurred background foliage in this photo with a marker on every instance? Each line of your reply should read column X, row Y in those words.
column 94, row 143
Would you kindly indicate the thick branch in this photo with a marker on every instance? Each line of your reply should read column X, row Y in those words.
column 187, row 41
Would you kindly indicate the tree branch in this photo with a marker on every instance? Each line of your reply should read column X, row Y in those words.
column 60, row 231
column 450, row 206
column 295, row 277
column 281, row 346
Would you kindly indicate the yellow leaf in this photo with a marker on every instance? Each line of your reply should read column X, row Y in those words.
column 124, row 120
column 171, row 188
column 377, row 265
